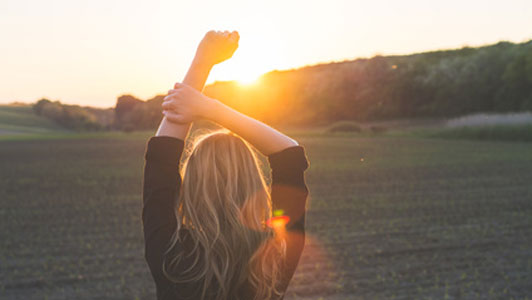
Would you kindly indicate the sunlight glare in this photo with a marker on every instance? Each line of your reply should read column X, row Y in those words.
column 248, row 80
column 252, row 59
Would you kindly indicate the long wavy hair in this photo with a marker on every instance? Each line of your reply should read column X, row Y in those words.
column 224, row 203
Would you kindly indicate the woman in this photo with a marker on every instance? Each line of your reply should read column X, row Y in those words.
column 212, row 227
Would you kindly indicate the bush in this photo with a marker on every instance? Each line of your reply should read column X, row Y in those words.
column 40, row 105
column 345, row 126
column 133, row 114
column 68, row 116
column 128, row 128
column 378, row 129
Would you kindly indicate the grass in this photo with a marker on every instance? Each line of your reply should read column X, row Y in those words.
column 392, row 217
column 19, row 123
column 520, row 132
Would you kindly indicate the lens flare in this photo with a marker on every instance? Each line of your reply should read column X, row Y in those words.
column 278, row 221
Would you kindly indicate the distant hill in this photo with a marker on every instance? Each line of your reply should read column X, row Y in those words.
column 438, row 84
column 16, row 119
column 47, row 116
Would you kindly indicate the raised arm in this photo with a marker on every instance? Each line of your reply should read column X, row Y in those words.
column 185, row 104
column 263, row 137
column 162, row 181
column 214, row 48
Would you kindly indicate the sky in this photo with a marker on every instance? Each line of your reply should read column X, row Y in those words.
column 89, row 52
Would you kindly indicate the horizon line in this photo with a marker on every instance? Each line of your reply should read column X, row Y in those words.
column 310, row 65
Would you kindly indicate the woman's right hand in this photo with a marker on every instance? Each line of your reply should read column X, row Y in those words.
column 217, row 46
column 185, row 104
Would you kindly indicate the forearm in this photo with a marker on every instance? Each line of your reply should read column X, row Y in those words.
column 196, row 77
column 263, row 137
column 198, row 73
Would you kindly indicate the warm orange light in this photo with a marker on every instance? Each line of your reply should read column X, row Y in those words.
column 248, row 81
column 278, row 222
column 250, row 61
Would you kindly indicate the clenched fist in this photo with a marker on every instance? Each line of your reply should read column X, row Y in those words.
column 217, row 46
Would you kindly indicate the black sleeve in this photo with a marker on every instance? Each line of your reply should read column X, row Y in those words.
column 161, row 185
column 289, row 192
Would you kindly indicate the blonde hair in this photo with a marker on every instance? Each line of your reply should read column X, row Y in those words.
column 224, row 203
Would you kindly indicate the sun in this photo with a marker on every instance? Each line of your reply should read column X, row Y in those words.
column 245, row 74
column 248, row 80
column 247, row 65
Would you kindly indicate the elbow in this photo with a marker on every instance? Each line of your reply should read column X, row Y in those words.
column 294, row 142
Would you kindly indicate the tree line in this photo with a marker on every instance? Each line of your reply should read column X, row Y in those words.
column 437, row 84
column 74, row 116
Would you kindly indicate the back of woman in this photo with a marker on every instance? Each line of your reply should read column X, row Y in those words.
column 213, row 228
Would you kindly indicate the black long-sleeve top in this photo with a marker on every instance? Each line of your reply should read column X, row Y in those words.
column 162, row 182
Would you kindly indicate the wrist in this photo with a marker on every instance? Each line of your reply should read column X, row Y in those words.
column 201, row 63
column 214, row 109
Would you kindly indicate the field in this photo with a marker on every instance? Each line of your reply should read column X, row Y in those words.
column 388, row 218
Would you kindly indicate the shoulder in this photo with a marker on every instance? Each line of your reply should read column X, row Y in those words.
column 164, row 149
column 294, row 157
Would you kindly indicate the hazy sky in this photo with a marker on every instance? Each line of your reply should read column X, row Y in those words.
column 91, row 51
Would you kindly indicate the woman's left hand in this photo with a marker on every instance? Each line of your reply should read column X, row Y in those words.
column 184, row 104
